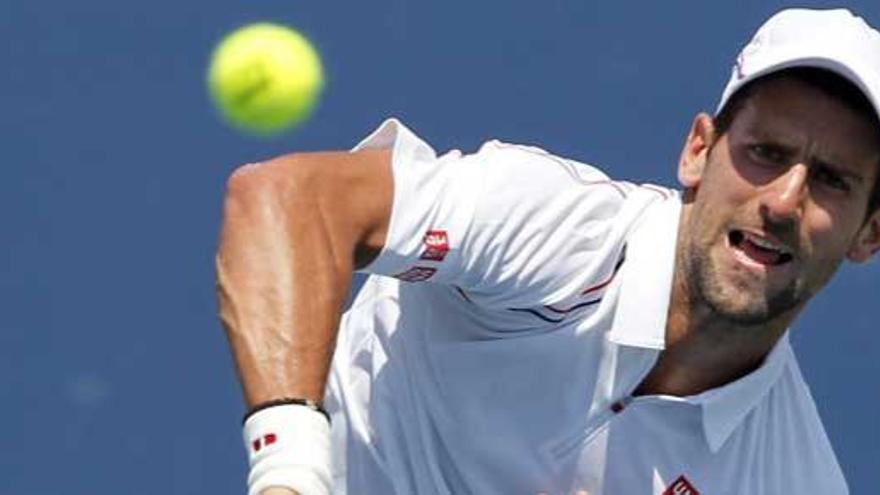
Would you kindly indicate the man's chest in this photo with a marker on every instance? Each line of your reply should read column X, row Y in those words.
column 554, row 420
column 647, row 445
column 653, row 446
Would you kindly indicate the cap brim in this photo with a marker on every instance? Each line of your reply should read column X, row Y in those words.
column 832, row 64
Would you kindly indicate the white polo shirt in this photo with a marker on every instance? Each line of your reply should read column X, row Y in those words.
column 520, row 299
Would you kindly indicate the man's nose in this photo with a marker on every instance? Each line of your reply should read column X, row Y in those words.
column 784, row 199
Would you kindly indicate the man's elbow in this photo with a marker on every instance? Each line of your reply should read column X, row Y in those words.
column 279, row 177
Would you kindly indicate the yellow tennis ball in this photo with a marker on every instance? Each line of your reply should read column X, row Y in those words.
column 265, row 78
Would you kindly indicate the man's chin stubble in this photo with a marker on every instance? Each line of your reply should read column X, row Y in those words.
column 706, row 291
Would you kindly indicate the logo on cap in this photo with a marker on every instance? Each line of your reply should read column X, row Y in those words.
column 738, row 66
column 749, row 49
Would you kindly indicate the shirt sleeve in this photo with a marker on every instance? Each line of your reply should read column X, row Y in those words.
column 512, row 225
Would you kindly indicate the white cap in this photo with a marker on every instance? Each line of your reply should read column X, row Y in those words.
column 835, row 40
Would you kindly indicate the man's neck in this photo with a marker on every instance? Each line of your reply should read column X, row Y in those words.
column 704, row 351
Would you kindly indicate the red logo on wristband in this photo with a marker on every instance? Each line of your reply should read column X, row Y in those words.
column 267, row 440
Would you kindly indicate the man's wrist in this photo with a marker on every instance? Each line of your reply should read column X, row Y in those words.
column 288, row 446
column 311, row 404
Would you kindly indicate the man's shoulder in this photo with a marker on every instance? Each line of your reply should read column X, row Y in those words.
column 511, row 155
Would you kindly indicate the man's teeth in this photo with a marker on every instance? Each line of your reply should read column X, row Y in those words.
column 763, row 243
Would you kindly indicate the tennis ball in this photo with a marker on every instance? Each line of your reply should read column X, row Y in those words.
column 265, row 78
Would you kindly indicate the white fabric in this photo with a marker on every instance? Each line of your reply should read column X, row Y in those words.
column 288, row 446
column 499, row 373
column 832, row 39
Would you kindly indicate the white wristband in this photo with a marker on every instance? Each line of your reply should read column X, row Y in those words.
column 288, row 446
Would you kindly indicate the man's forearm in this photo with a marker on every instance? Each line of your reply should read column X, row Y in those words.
column 292, row 231
column 283, row 274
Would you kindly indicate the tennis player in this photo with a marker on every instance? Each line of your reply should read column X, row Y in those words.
column 533, row 326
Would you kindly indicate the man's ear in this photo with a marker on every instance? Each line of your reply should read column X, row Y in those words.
column 867, row 241
column 696, row 148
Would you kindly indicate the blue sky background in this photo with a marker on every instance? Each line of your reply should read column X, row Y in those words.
column 114, row 372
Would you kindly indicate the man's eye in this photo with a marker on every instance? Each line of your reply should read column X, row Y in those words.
column 831, row 178
column 768, row 153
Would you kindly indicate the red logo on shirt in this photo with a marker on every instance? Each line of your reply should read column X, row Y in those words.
column 417, row 274
column 681, row 486
column 436, row 245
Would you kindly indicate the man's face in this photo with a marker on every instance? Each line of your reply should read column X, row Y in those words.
column 778, row 201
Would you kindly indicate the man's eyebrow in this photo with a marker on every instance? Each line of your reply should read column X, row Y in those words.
column 766, row 137
column 854, row 176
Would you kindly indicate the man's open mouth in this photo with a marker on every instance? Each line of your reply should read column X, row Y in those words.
column 759, row 249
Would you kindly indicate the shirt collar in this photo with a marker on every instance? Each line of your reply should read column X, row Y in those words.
column 643, row 301
column 724, row 408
